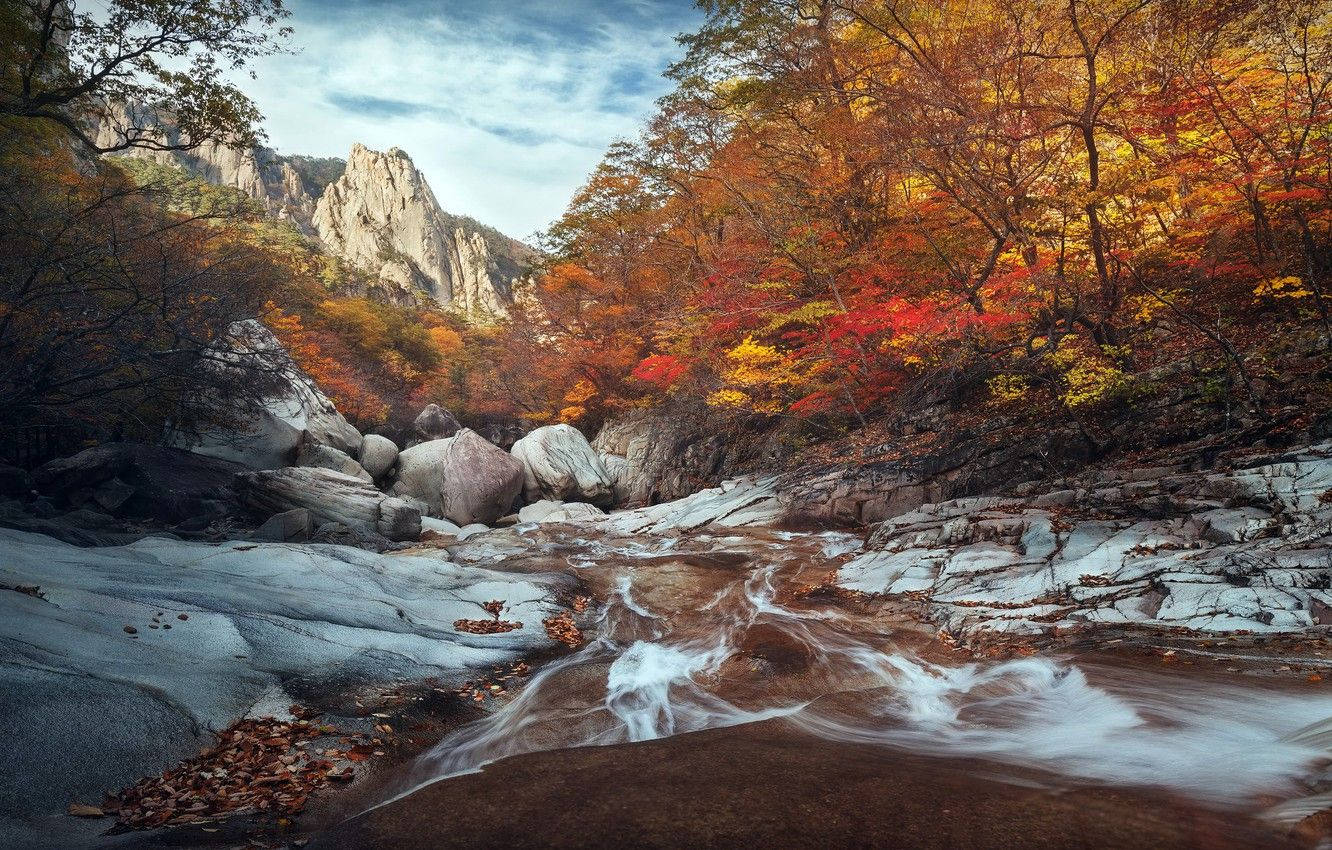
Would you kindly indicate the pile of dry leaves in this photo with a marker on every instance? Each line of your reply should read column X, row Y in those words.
column 827, row 589
column 561, row 628
column 493, row 626
column 264, row 765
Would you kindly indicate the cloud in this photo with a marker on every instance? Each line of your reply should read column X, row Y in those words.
column 506, row 106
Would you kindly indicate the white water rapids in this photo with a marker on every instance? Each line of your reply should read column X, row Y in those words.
column 722, row 651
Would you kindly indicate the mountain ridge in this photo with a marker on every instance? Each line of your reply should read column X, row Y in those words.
column 374, row 210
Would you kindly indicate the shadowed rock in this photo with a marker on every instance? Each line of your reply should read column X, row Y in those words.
column 141, row 481
column 435, row 423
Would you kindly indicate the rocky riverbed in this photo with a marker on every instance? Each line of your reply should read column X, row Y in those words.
column 1133, row 659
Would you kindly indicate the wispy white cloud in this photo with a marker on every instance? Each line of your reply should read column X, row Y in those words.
column 506, row 106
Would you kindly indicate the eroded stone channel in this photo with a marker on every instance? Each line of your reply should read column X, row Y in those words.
column 732, row 631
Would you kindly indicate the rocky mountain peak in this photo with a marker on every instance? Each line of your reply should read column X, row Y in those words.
column 382, row 216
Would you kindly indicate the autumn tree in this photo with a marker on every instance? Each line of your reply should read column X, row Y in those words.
column 62, row 65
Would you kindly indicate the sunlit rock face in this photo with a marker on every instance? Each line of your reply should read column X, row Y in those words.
column 558, row 463
column 258, row 172
column 296, row 413
column 381, row 216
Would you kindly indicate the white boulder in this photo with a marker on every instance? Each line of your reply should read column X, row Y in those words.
column 438, row 526
column 378, row 454
column 547, row 511
column 560, row 464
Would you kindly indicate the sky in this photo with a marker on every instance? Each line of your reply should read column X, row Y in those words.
column 505, row 105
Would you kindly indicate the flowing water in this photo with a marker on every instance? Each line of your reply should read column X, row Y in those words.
column 704, row 631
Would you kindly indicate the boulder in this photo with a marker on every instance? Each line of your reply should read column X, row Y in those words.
column 438, row 526
column 435, row 423
column 537, row 511
column 463, row 479
column 559, row 464
column 330, row 497
column 574, row 512
column 547, row 511
column 296, row 412
column 378, row 454
column 327, row 457
column 140, row 481
column 293, row 526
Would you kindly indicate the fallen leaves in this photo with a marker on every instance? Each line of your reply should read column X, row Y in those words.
column 492, row 626
column 827, row 589
column 561, row 628
column 478, row 690
column 264, row 765
column 486, row 627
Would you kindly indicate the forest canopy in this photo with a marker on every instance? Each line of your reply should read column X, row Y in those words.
column 849, row 206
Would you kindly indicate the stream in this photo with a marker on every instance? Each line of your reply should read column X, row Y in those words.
column 708, row 631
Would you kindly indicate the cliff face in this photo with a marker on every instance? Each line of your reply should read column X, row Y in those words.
column 273, row 180
column 382, row 216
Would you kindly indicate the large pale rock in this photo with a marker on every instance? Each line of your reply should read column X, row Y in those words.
column 463, row 479
column 297, row 412
column 560, row 465
column 737, row 503
column 87, row 706
column 435, row 423
column 378, row 454
column 536, row 511
column 330, row 497
column 382, row 216
column 574, row 512
column 327, row 457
